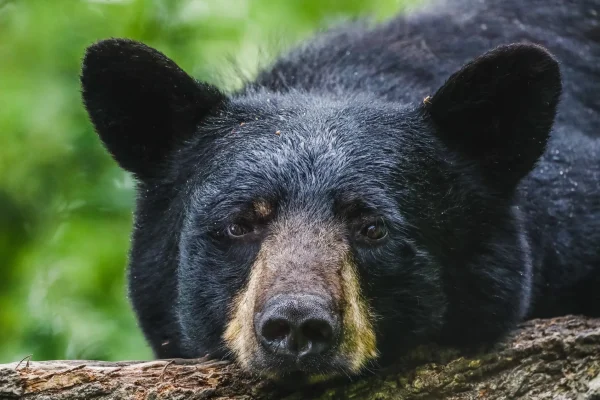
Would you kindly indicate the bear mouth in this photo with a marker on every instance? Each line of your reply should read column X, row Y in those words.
column 305, row 369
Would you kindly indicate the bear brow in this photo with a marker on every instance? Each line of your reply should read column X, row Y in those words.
column 263, row 208
column 352, row 205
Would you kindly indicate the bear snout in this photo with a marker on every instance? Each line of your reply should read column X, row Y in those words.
column 295, row 327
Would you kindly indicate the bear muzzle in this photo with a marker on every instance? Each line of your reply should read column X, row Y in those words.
column 293, row 328
column 302, row 309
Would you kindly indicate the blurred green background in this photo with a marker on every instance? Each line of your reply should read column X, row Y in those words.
column 65, row 207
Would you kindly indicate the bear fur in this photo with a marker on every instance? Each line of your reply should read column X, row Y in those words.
column 470, row 127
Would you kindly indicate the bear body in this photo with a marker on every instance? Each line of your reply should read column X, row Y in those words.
column 435, row 178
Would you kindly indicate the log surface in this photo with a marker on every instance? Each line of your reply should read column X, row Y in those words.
column 545, row 359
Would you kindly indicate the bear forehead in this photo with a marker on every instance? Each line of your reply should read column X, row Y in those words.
column 314, row 171
column 307, row 152
column 313, row 137
column 305, row 161
column 315, row 117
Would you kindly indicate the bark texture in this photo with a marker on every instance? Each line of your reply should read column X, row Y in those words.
column 545, row 359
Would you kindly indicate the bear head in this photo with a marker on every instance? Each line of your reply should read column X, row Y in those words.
column 312, row 233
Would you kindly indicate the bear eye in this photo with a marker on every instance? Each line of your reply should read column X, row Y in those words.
column 374, row 230
column 237, row 230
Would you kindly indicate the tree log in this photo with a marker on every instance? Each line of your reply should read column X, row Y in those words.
column 544, row 359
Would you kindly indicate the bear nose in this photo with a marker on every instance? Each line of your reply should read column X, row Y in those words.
column 297, row 326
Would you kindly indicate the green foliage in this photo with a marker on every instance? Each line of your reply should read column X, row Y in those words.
column 65, row 207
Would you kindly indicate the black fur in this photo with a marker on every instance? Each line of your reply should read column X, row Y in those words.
column 493, row 210
column 153, row 103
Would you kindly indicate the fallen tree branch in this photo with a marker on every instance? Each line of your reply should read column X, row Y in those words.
column 545, row 359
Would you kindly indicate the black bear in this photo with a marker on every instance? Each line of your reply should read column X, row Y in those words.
column 431, row 179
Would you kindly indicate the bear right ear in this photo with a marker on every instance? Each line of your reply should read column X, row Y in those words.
column 141, row 103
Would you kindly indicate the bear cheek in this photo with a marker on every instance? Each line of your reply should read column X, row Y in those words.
column 306, row 261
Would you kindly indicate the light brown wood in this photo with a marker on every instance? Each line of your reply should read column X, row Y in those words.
column 545, row 359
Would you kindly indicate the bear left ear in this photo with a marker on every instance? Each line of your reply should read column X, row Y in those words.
column 141, row 103
column 498, row 110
